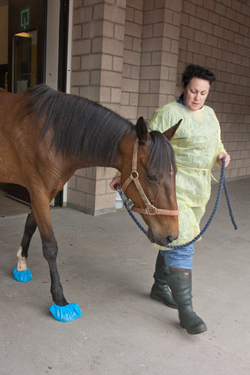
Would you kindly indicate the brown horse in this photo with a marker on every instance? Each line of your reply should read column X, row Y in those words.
column 46, row 135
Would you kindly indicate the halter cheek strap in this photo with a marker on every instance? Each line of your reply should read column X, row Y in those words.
column 134, row 177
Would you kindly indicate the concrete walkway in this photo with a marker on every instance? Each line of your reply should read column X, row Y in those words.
column 106, row 266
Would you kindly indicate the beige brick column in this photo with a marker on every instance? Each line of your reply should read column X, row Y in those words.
column 132, row 59
column 98, row 43
column 159, row 59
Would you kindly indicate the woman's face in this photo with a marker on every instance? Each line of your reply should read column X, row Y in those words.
column 195, row 94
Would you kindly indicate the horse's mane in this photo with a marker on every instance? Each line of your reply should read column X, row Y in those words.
column 83, row 128
column 80, row 126
column 162, row 155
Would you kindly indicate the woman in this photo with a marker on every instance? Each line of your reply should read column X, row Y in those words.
column 198, row 147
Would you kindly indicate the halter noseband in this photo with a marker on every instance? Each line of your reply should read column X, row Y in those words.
column 134, row 176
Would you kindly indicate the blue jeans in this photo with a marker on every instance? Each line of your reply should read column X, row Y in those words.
column 179, row 258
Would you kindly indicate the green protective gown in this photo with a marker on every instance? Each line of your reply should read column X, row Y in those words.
column 196, row 145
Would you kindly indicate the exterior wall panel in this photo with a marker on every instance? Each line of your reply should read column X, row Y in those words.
column 129, row 56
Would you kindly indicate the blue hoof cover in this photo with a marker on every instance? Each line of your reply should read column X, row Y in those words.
column 65, row 313
column 22, row 276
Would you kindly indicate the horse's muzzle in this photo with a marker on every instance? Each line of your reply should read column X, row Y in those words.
column 162, row 242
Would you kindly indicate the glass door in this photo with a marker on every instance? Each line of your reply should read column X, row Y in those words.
column 24, row 62
column 24, row 75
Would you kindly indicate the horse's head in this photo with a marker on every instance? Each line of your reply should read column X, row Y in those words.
column 148, row 175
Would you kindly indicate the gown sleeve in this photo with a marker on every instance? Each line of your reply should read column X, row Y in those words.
column 163, row 118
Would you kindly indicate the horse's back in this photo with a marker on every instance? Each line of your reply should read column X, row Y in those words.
column 23, row 153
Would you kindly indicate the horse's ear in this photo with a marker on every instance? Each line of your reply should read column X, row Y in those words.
column 142, row 130
column 170, row 132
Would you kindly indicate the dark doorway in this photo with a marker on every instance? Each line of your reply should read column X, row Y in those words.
column 26, row 56
column 27, row 40
column 62, row 62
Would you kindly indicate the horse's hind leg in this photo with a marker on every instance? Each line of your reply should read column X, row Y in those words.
column 21, row 272
column 22, row 253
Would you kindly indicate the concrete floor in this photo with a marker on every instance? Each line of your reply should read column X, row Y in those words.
column 106, row 266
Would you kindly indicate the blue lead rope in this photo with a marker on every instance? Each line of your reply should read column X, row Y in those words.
column 127, row 203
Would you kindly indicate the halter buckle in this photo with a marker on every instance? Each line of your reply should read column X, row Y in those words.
column 151, row 210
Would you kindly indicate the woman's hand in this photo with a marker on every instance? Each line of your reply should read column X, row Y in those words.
column 227, row 159
column 116, row 180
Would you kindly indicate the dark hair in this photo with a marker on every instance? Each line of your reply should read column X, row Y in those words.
column 85, row 129
column 197, row 71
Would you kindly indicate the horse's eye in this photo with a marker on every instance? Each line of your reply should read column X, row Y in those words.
column 152, row 177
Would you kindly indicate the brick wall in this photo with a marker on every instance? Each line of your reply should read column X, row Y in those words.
column 132, row 59
column 97, row 62
column 129, row 56
column 160, row 46
column 216, row 34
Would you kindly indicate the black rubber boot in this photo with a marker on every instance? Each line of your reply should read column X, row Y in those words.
column 180, row 282
column 160, row 290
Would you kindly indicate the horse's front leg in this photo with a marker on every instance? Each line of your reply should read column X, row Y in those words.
column 62, row 310
column 50, row 248
column 50, row 251
column 21, row 272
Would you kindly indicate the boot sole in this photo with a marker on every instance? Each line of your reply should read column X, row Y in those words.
column 159, row 299
column 194, row 332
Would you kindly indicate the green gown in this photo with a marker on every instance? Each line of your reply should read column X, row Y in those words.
column 196, row 144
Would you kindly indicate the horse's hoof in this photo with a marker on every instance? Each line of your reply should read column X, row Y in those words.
column 22, row 276
column 65, row 313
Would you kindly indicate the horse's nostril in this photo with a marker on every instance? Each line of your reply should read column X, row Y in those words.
column 170, row 239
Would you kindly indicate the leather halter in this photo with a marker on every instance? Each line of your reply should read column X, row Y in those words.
column 134, row 176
